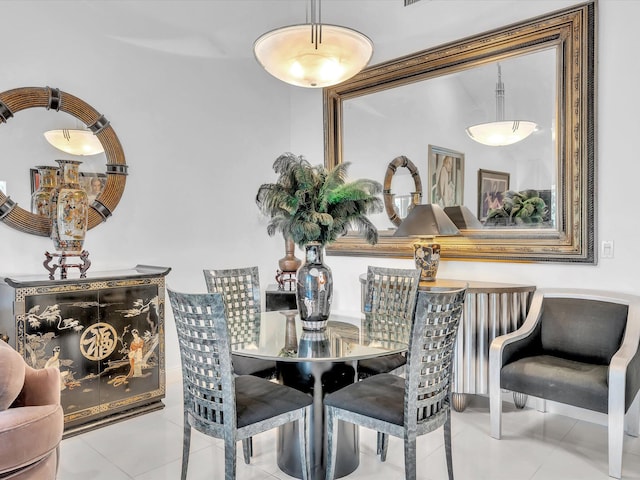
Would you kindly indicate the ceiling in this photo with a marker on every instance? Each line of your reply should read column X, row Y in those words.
column 228, row 28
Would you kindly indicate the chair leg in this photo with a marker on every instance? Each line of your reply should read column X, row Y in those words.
column 541, row 405
column 247, row 450
column 632, row 420
column 410, row 458
column 616, row 440
column 303, row 444
column 384, row 446
column 229, row 459
column 447, row 445
column 332, row 442
column 495, row 408
column 186, row 445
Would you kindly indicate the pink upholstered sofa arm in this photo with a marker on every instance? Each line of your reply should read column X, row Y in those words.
column 41, row 387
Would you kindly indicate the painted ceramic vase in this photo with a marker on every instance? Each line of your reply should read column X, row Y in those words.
column 41, row 198
column 69, row 209
column 314, row 289
column 427, row 257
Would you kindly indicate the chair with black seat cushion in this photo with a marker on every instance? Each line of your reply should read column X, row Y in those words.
column 389, row 302
column 577, row 347
column 217, row 402
column 240, row 288
column 411, row 406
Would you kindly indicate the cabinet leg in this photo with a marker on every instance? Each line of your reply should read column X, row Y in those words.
column 459, row 401
column 519, row 399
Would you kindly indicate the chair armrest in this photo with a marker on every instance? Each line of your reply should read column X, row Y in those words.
column 41, row 387
column 624, row 369
column 503, row 348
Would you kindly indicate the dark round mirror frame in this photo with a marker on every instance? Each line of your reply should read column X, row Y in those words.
column 11, row 102
column 416, row 195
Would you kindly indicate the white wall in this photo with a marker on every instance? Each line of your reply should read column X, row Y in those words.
column 201, row 131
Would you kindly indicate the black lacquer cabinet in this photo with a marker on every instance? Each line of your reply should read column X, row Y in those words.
column 105, row 333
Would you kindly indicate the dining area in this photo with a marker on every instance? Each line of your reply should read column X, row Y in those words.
column 315, row 393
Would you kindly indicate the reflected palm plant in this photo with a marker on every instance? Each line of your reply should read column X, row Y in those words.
column 314, row 204
column 525, row 207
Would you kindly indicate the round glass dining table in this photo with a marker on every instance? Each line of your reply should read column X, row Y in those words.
column 317, row 363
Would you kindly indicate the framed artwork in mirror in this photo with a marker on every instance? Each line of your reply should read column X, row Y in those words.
column 446, row 176
column 492, row 186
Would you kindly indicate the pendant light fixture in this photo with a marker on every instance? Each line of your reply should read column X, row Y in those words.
column 501, row 132
column 313, row 54
column 74, row 141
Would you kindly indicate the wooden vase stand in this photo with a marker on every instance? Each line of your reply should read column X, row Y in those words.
column 63, row 265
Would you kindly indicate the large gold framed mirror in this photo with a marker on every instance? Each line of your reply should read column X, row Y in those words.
column 16, row 100
column 431, row 97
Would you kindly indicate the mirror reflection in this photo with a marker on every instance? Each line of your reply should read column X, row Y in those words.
column 25, row 144
column 532, row 200
column 426, row 120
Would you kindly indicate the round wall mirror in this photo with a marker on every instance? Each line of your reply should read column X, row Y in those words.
column 395, row 206
column 12, row 102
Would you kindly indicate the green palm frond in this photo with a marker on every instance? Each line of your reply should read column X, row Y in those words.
column 314, row 204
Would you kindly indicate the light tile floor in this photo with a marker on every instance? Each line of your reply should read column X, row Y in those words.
column 535, row 446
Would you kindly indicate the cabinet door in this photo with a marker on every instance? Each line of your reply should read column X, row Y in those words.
column 132, row 372
column 108, row 344
column 57, row 326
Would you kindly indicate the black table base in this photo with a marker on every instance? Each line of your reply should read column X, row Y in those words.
column 318, row 378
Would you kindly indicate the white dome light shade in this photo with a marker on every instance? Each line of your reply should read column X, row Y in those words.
column 290, row 54
column 74, row 141
column 498, row 134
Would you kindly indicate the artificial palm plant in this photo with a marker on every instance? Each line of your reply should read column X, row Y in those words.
column 314, row 204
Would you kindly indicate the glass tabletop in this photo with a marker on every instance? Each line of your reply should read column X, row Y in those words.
column 279, row 336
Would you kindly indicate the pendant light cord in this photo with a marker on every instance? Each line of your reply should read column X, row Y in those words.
column 316, row 21
column 499, row 96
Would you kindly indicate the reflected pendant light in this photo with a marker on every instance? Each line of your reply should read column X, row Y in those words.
column 313, row 55
column 501, row 132
column 74, row 141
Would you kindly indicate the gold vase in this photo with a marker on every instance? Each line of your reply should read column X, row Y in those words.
column 41, row 198
column 69, row 210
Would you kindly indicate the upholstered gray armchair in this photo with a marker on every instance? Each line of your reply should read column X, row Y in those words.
column 578, row 347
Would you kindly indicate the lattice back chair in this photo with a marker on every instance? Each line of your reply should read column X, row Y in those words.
column 389, row 303
column 217, row 402
column 411, row 406
column 240, row 288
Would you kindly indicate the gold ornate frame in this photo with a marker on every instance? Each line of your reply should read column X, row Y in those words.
column 11, row 102
column 572, row 33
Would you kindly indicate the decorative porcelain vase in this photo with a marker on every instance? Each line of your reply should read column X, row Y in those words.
column 41, row 198
column 314, row 289
column 69, row 210
column 427, row 258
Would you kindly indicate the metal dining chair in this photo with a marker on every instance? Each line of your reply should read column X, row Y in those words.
column 414, row 405
column 240, row 289
column 216, row 401
column 390, row 299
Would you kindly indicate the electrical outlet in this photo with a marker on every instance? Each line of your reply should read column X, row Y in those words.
column 607, row 249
